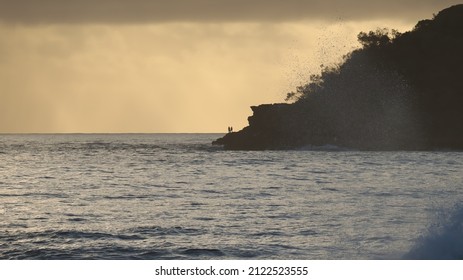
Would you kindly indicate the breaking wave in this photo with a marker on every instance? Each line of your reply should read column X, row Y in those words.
column 444, row 239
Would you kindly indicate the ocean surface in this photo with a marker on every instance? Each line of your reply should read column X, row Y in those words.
column 175, row 196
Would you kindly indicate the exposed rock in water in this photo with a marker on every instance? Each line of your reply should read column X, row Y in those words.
column 397, row 92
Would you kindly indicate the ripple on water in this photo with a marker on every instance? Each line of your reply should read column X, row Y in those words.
column 175, row 197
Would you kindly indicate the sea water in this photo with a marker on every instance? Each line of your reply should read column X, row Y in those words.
column 175, row 196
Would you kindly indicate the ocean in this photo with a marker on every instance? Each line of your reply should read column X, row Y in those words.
column 175, row 196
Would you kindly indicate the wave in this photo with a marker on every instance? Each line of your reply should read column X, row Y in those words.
column 444, row 239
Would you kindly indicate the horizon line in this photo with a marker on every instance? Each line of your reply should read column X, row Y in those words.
column 102, row 133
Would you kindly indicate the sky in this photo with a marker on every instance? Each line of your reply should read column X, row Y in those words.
column 115, row 66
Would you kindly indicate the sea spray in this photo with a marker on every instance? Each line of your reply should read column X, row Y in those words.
column 444, row 240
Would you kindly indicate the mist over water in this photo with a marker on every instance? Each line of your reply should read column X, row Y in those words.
column 174, row 196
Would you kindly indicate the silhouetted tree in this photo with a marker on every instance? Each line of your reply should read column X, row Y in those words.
column 378, row 38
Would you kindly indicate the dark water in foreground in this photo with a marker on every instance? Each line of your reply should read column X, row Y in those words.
column 174, row 196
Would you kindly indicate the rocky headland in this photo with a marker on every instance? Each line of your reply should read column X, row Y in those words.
column 399, row 91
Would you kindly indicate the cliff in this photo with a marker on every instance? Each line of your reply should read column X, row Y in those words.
column 396, row 92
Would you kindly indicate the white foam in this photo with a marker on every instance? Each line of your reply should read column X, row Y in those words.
column 444, row 240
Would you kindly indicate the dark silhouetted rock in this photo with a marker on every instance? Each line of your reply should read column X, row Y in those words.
column 396, row 92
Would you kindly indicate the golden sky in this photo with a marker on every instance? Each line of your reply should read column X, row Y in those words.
column 171, row 66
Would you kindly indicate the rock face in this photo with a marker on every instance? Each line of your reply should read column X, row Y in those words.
column 397, row 92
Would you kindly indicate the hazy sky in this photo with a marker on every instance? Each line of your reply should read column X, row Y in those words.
column 171, row 66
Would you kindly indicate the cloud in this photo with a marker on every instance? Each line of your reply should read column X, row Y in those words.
column 147, row 66
column 150, row 78
column 144, row 11
column 172, row 77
